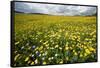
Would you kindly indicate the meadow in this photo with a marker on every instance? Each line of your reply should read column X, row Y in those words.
column 47, row 39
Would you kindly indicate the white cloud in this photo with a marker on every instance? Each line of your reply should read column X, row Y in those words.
column 54, row 9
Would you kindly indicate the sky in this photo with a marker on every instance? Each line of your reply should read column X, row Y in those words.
column 54, row 9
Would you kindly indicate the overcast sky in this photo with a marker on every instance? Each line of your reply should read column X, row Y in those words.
column 54, row 9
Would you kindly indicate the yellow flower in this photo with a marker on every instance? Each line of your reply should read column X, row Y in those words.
column 87, row 51
column 36, row 61
column 49, row 58
column 63, row 29
column 94, row 36
column 52, row 48
column 85, row 47
column 29, row 48
column 46, row 52
column 81, row 55
column 29, row 62
column 41, row 48
column 90, row 42
column 30, row 54
column 52, row 57
column 91, row 49
column 66, row 48
column 61, row 62
column 84, row 42
column 67, row 58
column 45, row 42
column 73, row 38
column 85, row 54
column 39, row 33
column 82, row 46
column 86, row 39
column 26, row 58
column 82, row 33
column 39, row 54
column 56, row 54
column 15, row 52
column 45, row 36
column 60, row 30
column 16, row 43
column 16, row 56
column 56, row 46
column 71, row 48
column 36, row 38
column 47, row 45
column 75, row 53
column 60, row 48
column 32, row 63
column 40, row 40
column 44, row 63
column 66, row 34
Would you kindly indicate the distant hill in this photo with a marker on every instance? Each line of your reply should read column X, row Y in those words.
column 94, row 14
column 18, row 12
column 31, row 13
column 51, row 15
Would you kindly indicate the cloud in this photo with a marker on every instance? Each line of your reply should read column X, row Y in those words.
column 54, row 9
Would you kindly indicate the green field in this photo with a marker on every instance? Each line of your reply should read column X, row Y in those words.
column 48, row 39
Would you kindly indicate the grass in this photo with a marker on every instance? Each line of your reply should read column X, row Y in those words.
column 47, row 39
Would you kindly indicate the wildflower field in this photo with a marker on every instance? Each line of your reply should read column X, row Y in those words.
column 48, row 39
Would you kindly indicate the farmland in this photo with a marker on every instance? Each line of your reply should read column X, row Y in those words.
column 48, row 39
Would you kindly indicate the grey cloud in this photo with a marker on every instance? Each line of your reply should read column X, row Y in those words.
column 54, row 9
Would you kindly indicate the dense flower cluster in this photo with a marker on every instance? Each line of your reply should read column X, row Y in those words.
column 43, row 39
